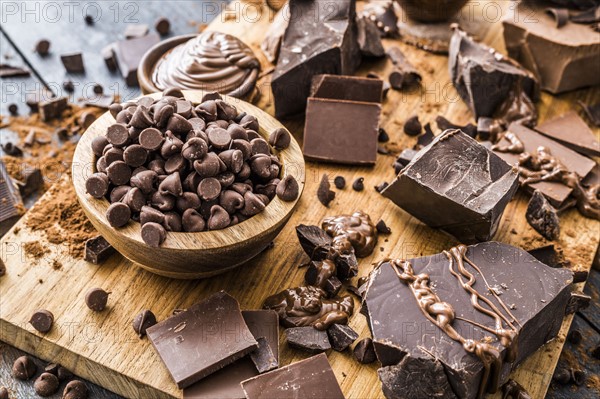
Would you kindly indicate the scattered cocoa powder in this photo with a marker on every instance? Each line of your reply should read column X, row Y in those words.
column 35, row 249
column 56, row 265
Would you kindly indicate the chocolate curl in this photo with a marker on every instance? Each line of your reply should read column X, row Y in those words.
column 560, row 15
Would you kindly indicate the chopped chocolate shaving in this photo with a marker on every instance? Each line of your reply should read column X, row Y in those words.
column 543, row 217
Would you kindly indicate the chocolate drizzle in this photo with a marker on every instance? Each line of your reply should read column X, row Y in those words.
column 309, row 306
column 442, row 314
column 356, row 231
column 212, row 61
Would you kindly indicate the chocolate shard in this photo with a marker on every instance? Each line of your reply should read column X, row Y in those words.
column 188, row 352
column 404, row 73
column 483, row 77
column 11, row 204
column 529, row 299
column 465, row 195
column 53, row 108
column 543, row 217
column 307, row 339
column 573, row 48
column 364, row 351
column 263, row 357
column 341, row 336
column 551, row 256
column 129, row 53
column 572, row 132
column 310, row 378
column 97, row 250
column 369, row 38
column 592, row 112
column 330, row 47
column 577, row 301
column 271, row 43
column 350, row 88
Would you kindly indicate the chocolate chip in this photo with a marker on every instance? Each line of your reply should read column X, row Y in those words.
column 231, row 201
column 364, row 351
column 98, row 89
column 339, row 182
column 46, row 385
column 97, row 185
column 68, row 86
column 114, row 109
column 171, row 146
column 179, row 124
column 75, row 390
column 219, row 138
column 89, row 20
column 575, row 337
column 209, row 189
column 187, row 201
column 163, row 202
column 252, row 205
column 562, row 376
column 192, row 221
column 260, row 146
column 219, row 218
column 171, row 185
column 119, row 173
column 358, row 184
column 118, row 214
column 117, row 134
column 145, row 181
column 382, row 227
column 96, row 299
column 233, row 160
column 13, row 109
column 260, row 164
column 578, row 376
column 287, row 189
column 135, row 155
column 42, row 47
column 324, row 194
column 162, row 26
column 42, row 320
column 153, row 234
column 383, row 137
column 142, row 321
column 149, row 214
column 173, row 222
column 24, row 368
column 195, row 148
column 412, row 126
column 98, row 145
column 134, row 199
column 173, row 92
column 141, row 118
column 209, row 166
column 280, row 138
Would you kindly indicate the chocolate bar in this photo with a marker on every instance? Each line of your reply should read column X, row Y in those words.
column 203, row 339
column 457, row 185
column 11, row 205
column 571, row 131
column 319, row 39
column 509, row 305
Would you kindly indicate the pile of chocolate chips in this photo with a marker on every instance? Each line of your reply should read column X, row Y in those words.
column 174, row 166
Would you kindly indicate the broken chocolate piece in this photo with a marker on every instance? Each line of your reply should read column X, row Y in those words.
column 426, row 138
column 53, row 108
column 189, row 353
column 129, row 54
column 307, row 339
column 445, row 124
column 572, row 132
column 97, row 250
column 369, row 38
column 341, row 337
column 592, row 112
column 324, row 194
column 384, row 17
column 404, row 73
column 543, row 217
column 551, row 256
column 271, row 43
column 11, row 71
column 73, row 63
column 263, row 358
column 506, row 328
column 364, row 351
column 308, row 379
column 319, row 39
column 11, row 204
column 577, row 301
column 465, row 195
column 350, row 88
column 483, row 77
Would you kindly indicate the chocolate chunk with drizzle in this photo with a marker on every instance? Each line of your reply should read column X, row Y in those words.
column 356, row 230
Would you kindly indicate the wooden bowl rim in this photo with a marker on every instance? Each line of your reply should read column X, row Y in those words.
column 256, row 225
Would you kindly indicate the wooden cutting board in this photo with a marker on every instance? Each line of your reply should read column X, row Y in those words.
column 103, row 348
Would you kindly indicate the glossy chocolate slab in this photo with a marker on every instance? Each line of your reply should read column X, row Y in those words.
column 312, row 378
column 320, row 38
column 406, row 340
column 457, row 185
column 571, row 131
column 203, row 339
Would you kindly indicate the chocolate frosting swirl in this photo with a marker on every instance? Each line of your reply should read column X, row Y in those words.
column 212, row 61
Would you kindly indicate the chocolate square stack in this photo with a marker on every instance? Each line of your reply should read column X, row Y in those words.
column 457, row 185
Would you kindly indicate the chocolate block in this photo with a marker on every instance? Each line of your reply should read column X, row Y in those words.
column 129, row 53
column 523, row 298
column 341, row 131
column 563, row 58
column 97, row 250
column 369, row 38
column 319, row 39
column 207, row 337
column 73, row 63
column 10, row 201
column 32, row 181
column 349, row 88
column 312, row 378
column 263, row 358
column 341, row 336
column 483, row 77
column 53, row 108
column 572, row 132
column 225, row 383
column 307, row 339
column 457, row 185
column 543, row 217
column 556, row 192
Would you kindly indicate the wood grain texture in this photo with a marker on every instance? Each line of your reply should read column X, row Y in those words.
column 192, row 255
column 102, row 347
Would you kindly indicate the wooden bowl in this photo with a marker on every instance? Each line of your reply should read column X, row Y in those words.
column 191, row 255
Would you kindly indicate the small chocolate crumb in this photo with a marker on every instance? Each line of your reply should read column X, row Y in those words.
column 96, row 299
column 98, row 89
column 358, row 184
column 324, row 194
column 339, row 182
column 89, row 20
column 412, row 126
column 382, row 227
column 42, row 47
column 383, row 137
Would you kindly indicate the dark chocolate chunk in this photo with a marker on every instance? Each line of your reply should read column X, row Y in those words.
column 445, row 124
column 24, row 368
column 73, row 63
column 97, row 250
column 53, row 108
column 310, row 378
column 129, row 54
column 359, row 184
column 543, row 217
column 485, row 78
column 532, row 308
column 75, row 390
column 288, row 189
column 382, row 228
column 11, row 203
column 142, row 321
column 592, row 112
column 404, row 73
column 324, row 194
column 263, row 357
column 188, row 352
column 412, row 126
column 42, row 47
column 578, row 301
column 46, row 385
column 331, row 47
column 42, row 320
column 110, row 59
column 572, row 132
column 468, row 208
column 96, row 299
column 364, row 351
column 426, row 138
column 369, row 38
column 307, row 339
column 162, row 26
column 341, row 337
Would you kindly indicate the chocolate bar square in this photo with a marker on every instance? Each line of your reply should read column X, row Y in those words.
column 350, row 88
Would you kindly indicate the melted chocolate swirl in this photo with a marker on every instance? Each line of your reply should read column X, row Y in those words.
column 212, row 61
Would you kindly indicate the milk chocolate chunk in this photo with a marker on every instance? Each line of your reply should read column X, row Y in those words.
column 331, row 47
column 404, row 73
column 97, row 250
column 466, row 195
column 42, row 320
column 312, row 378
column 503, row 328
column 341, row 131
column 341, row 337
column 73, row 63
column 46, row 385
column 572, row 132
column 188, row 352
column 543, row 217
column 369, row 38
column 364, row 351
column 307, row 339
column 483, row 77
column 225, row 383
column 574, row 49
column 24, row 368
column 129, row 53
column 11, row 203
